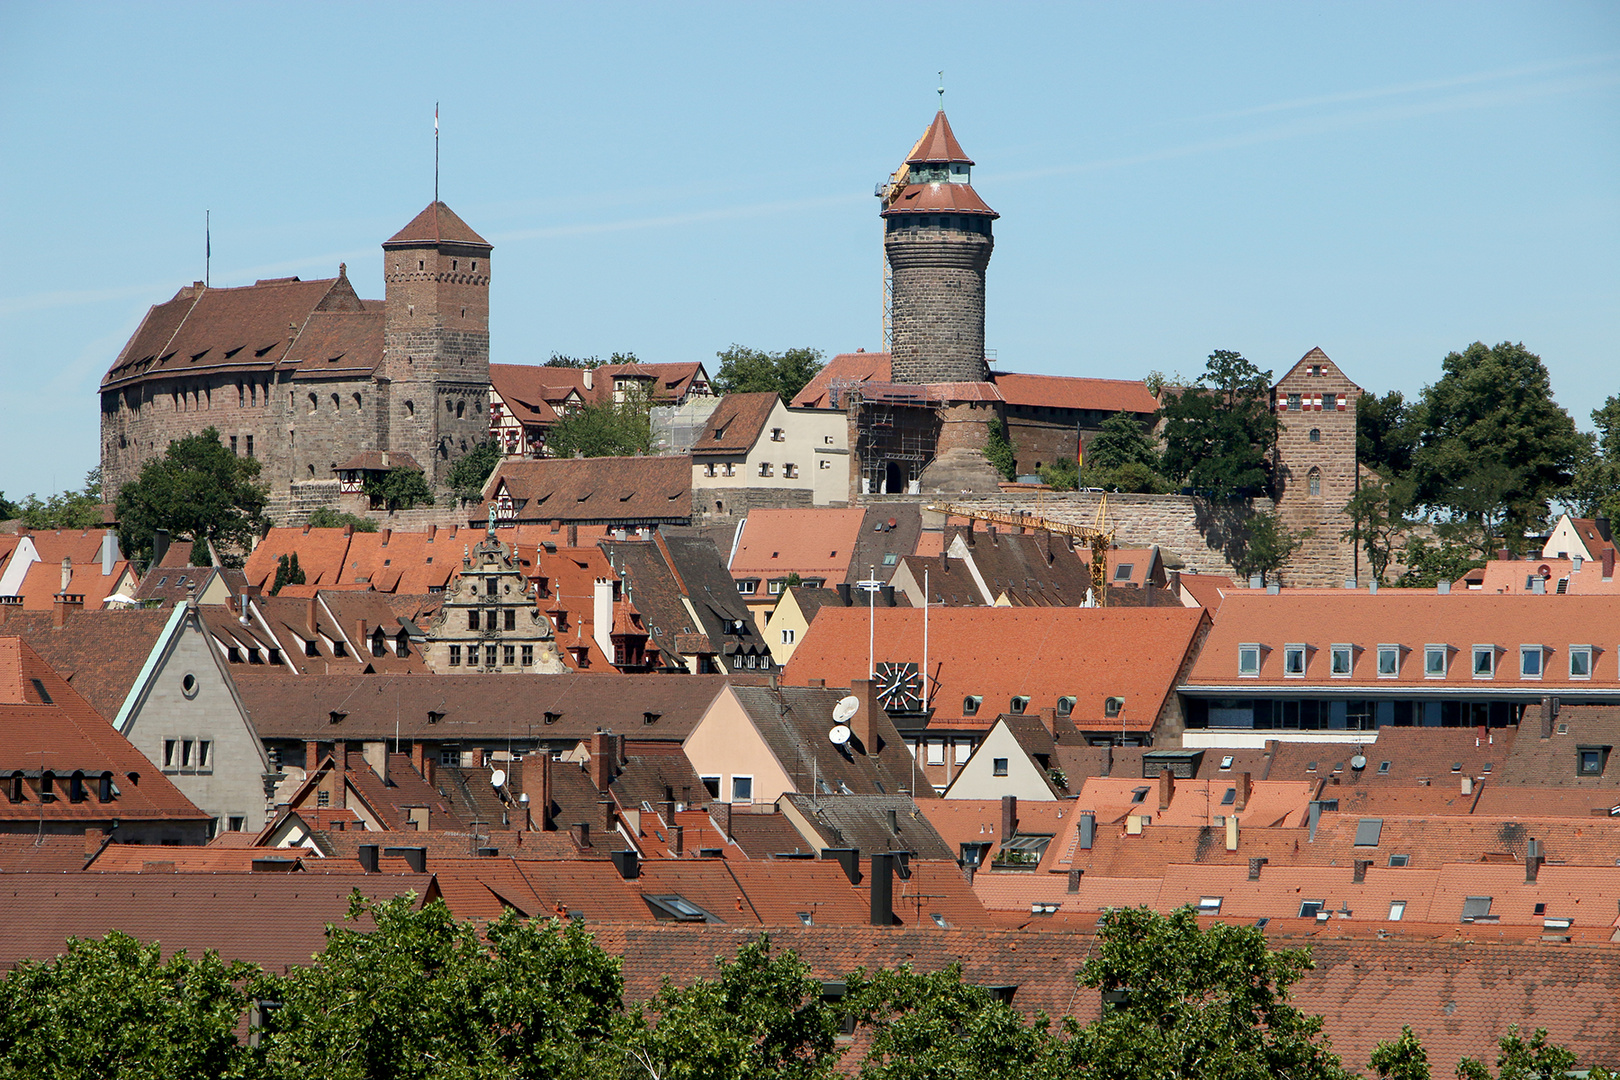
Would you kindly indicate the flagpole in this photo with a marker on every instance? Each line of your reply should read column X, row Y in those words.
column 435, row 151
column 208, row 247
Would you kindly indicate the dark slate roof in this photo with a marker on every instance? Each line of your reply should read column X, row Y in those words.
column 794, row 721
column 1551, row 762
column 872, row 544
column 661, row 572
column 1033, row 570
column 474, row 706
column 862, row 821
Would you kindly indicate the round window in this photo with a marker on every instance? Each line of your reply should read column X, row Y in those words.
column 188, row 685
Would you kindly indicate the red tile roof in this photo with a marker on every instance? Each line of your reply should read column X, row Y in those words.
column 819, row 392
column 934, row 198
column 436, row 224
column 603, row 490
column 938, row 144
column 99, row 653
column 1063, row 392
column 816, row 543
column 670, row 381
column 43, row 580
column 999, row 653
column 735, row 425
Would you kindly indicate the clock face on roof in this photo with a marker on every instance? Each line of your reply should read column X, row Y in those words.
column 899, row 687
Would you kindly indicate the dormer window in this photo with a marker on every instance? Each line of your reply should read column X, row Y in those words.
column 970, row 705
column 1017, row 705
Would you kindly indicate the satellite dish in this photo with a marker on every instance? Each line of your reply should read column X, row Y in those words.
column 1358, row 763
column 497, row 778
column 846, row 708
column 839, row 735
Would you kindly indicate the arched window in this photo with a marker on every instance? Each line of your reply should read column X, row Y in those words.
column 358, row 403
column 336, row 406
column 314, row 403
column 410, row 408
column 1316, row 434
column 1314, row 480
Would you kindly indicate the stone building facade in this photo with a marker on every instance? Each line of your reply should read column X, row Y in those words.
column 303, row 375
column 1315, row 467
column 489, row 622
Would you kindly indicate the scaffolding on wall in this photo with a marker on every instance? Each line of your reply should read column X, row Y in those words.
column 895, row 423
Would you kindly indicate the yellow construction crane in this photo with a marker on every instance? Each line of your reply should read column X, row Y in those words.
column 1097, row 535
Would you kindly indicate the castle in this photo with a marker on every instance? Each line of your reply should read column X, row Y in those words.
column 306, row 377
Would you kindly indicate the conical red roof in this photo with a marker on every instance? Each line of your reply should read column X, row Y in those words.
column 437, row 224
column 938, row 144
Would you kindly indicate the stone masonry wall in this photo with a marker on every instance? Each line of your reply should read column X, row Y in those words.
column 1316, row 470
column 139, row 422
column 938, row 304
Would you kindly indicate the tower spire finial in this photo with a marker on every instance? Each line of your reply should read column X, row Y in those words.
column 941, row 91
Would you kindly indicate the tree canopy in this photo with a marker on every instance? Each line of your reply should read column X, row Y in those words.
column 604, row 429
column 70, row 509
column 400, row 488
column 469, row 471
column 1596, row 488
column 1494, row 448
column 751, row 371
column 325, row 517
column 1123, row 457
column 1219, row 431
column 1269, row 545
column 198, row 490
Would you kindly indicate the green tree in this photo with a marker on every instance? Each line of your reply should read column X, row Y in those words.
column 1060, row 475
column 604, row 429
column 1450, row 553
column 65, row 510
column 1386, row 433
column 1401, row 1059
column 325, row 517
column 471, row 469
column 1596, row 489
column 1495, row 447
column 1191, row 1002
column 287, row 573
column 1122, row 457
column 1518, row 1059
column 400, row 488
column 583, row 362
column 1219, row 431
column 936, row 1027
column 752, row 371
column 8, row 509
column 1378, row 520
column 998, row 451
column 113, row 1008
column 763, row 1018
column 198, row 490
column 1269, row 545
column 421, row 995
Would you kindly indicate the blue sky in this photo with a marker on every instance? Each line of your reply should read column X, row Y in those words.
column 1387, row 181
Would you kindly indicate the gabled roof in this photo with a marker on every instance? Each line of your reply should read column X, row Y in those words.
column 1030, row 570
column 813, row 543
column 862, row 821
column 99, row 653
column 1331, row 371
column 602, row 490
column 1066, row 392
column 821, row 391
column 436, row 224
column 669, row 381
column 736, row 425
column 794, row 722
column 42, row 579
column 674, row 576
column 1090, row 654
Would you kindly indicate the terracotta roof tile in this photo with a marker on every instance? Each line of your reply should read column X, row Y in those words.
column 735, row 425
column 818, row 543
column 604, row 490
column 436, row 224
column 821, row 392
column 938, row 144
column 99, row 653
column 1067, row 392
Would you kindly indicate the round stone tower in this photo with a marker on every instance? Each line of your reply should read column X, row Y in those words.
column 938, row 241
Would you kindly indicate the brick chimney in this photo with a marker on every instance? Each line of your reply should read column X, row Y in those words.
column 65, row 604
column 10, row 605
column 604, row 759
column 93, row 839
column 540, row 779
column 862, row 723
column 1254, row 867
column 1608, row 564
column 1244, row 788
column 1359, row 875
column 677, row 840
column 67, row 572
column 422, row 761
column 1167, row 789
column 721, row 813
column 1009, row 817
column 1548, row 711
column 1075, row 874
column 580, row 833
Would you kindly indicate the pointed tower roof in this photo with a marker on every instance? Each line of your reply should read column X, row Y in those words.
column 437, row 224
column 938, row 144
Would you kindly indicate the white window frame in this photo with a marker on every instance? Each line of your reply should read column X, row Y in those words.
column 764, row 468
column 1444, row 652
column 749, row 799
column 788, row 633
column 748, row 586
column 1391, row 651
column 1250, row 649
column 1473, row 663
column 774, row 588
column 728, row 468
column 1349, row 654
column 1304, row 660
column 1397, row 910
column 1540, row 653
column 1585, row 652
column 963, row 750
column 935, row 751
column 790, row 470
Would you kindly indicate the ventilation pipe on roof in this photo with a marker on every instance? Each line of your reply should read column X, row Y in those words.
column 849, row 859
column 883, row 889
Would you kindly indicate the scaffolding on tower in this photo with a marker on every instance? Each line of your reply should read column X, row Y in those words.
column 889, row 191
column 1098, row 536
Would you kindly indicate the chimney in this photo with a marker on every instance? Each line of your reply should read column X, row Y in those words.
column 580, row 833
column 9, row 605
column 1467, row 785
column 628, row 864
column 376, row 755
column 415, row 857
column 1075, row 874
column 1359, row 876
column 882, row 889
column 1532, row 861
column 1009, row 817
column 361, row 643
column 1244, row 787
column 1604, row 529
column 67, row 572
column 1167, row 789
column 573, row 535
column 1231, row 832
column 677, row 840
column 1043, row 544
column 1546, row 717
column 109, row 552
column 1088, row 830
column 604, row 759
column 93, row 839
column 844, row 594
column 848, row 858
column 886, row 595
column 1254, row 867
column 1538, row 585
column 1172, row 583
column 1108, row 759
column 65, row 604
column 606, row 813
column 368, row 858
column 1608, row 563
column 721, row 813
column 1443, row 588
column 542, row 766
column 312, row 756
column 863, row 723
column 1312, row 816
column 160, row 546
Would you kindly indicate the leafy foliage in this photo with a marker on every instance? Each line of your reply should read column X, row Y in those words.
column 938, row 1027
column 1219, row 431
column 1536, row 1059
column 198, row 490
column 400, row 488
column 1269, row 546
column 998, row 451
column 1378, row 520
column 1196, row 1002
column 588, row 362
column 8, row 509
column 65, row 510
column 1123, row 457
column 1495, row 448
column 605, row 429
column 1447, row 556
column 1596, row 488
column 287, row 573
column 324, row 517
column 762, row 1018
column 470, row 470
column 113, row 1008
column 1387, row 433
column 1060, row 475
column 752, row 371
column 1401, row 1059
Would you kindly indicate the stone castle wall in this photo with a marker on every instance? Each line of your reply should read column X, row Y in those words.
column 1316, row 472
column 938, row 304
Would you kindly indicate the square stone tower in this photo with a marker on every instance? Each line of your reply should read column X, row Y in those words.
column 1316, row 466
column 436, row 339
